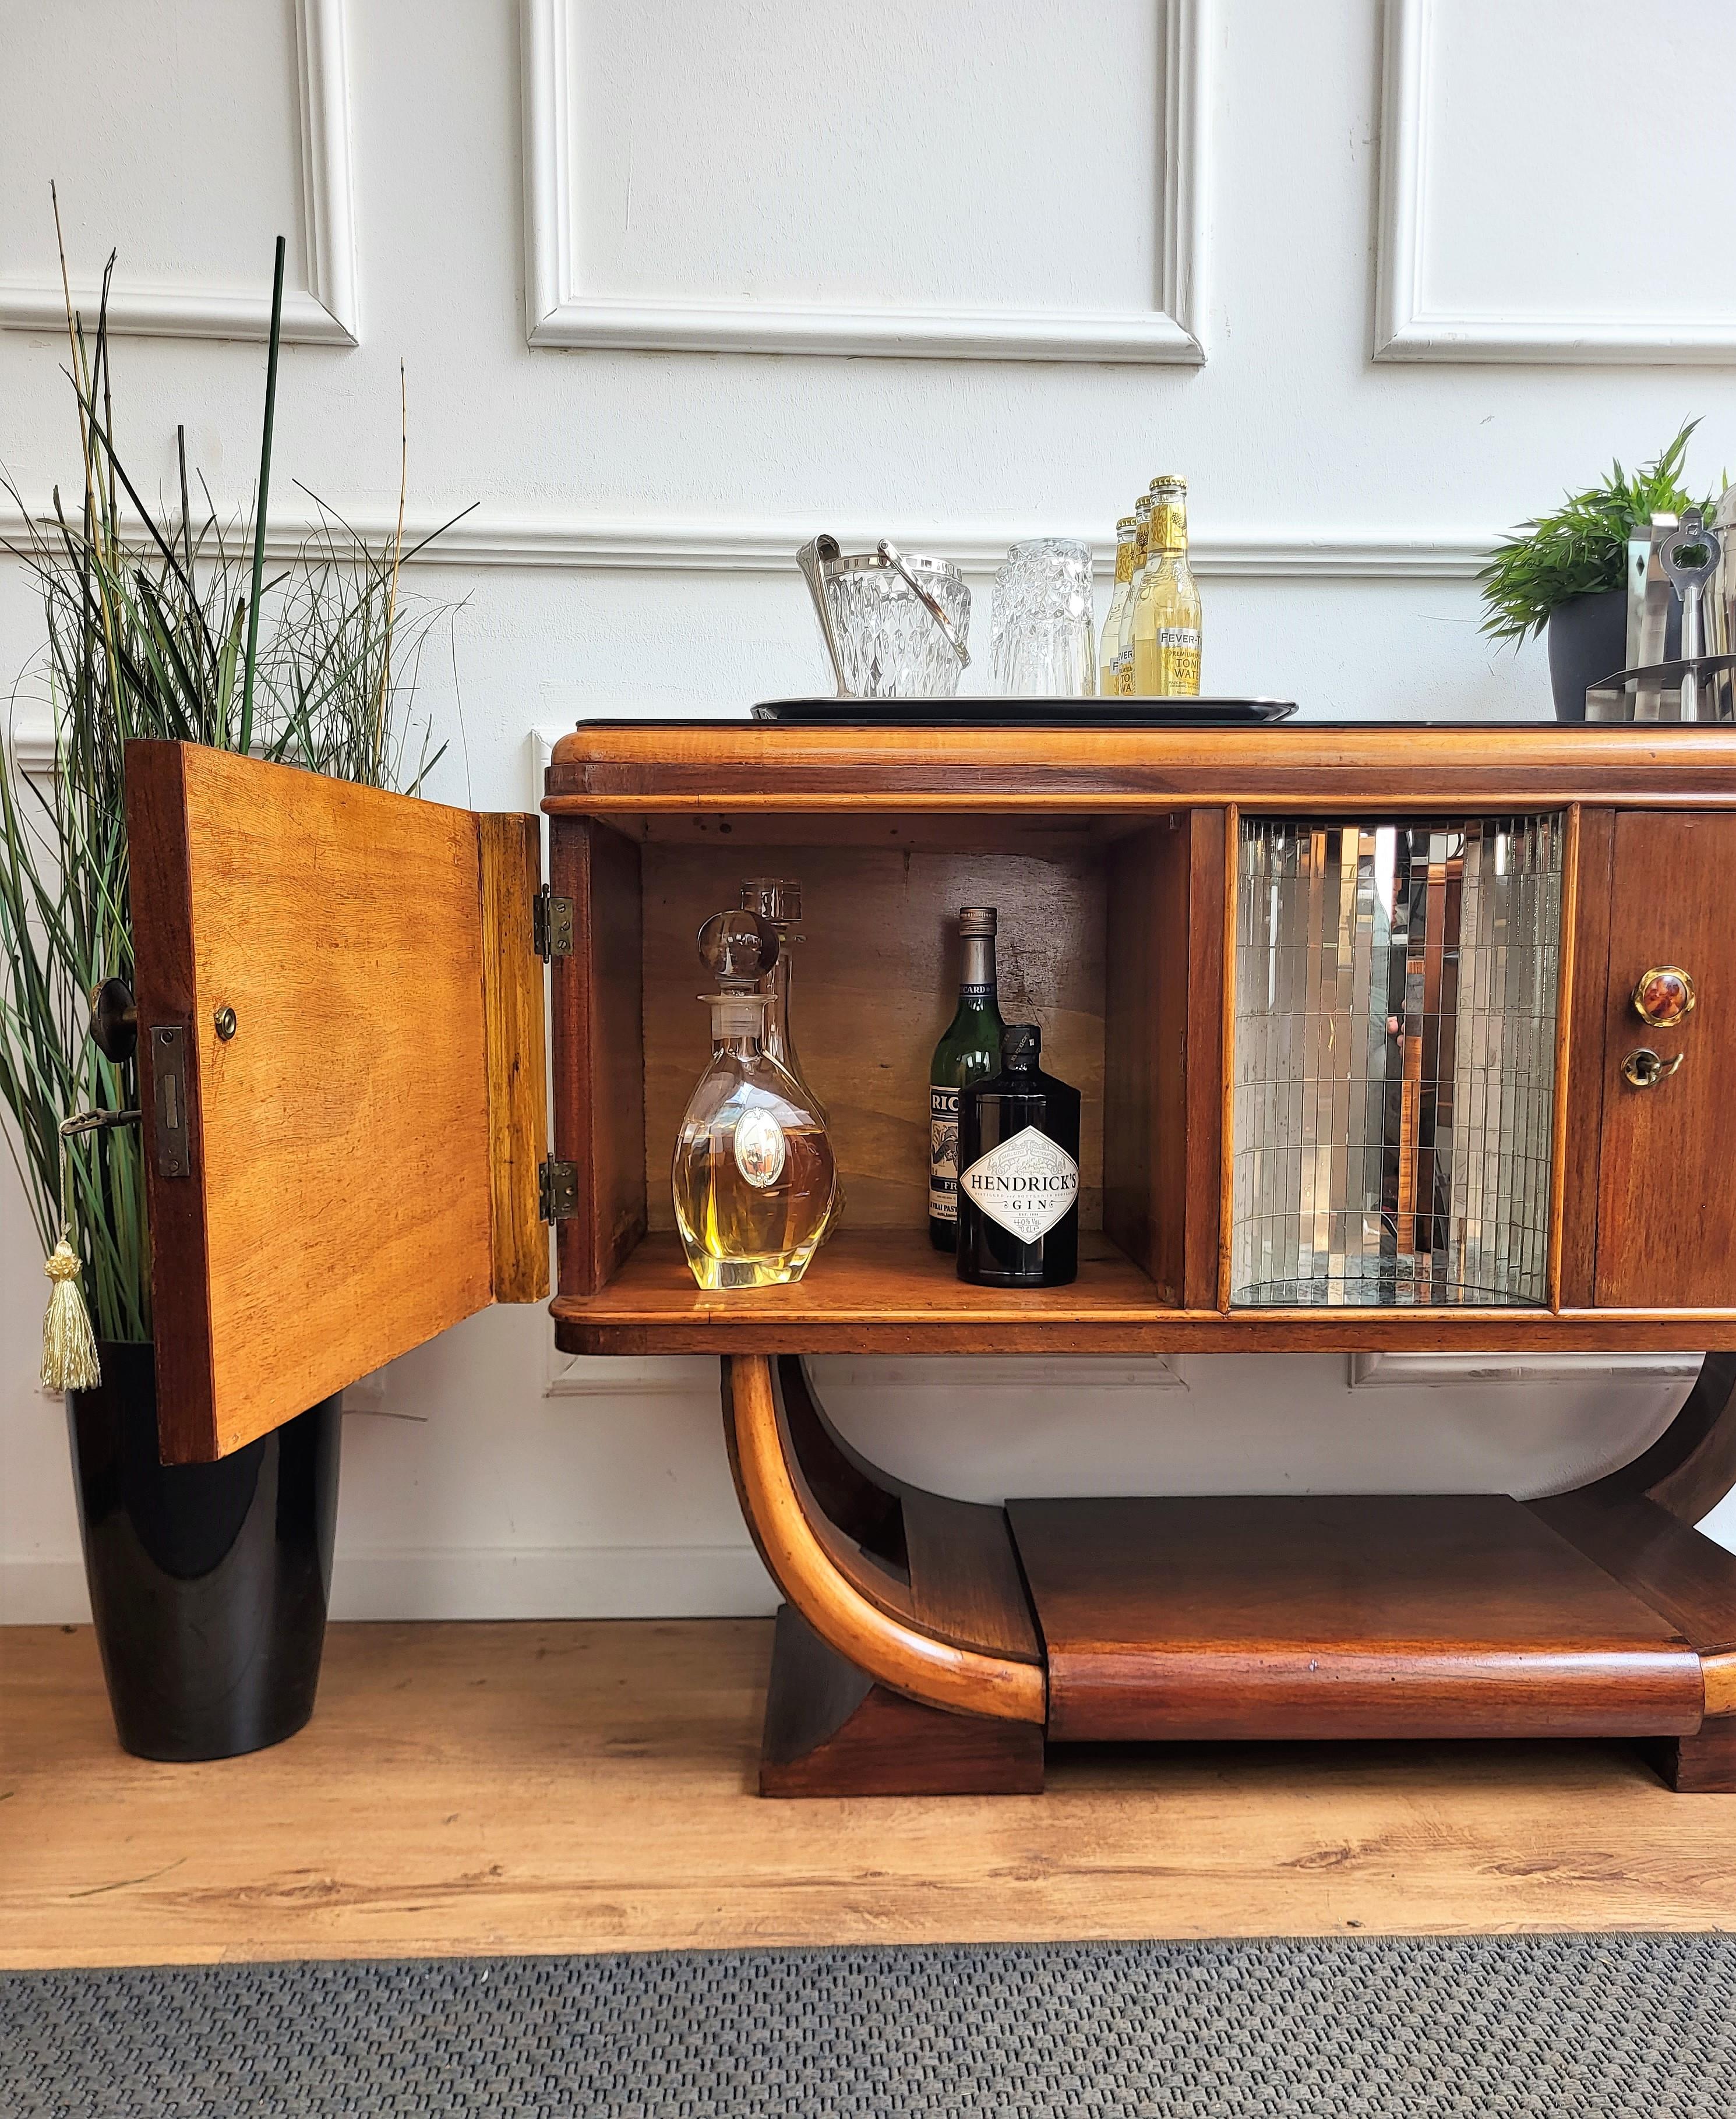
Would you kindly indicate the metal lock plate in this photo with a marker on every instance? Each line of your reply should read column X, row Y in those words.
column 168, row 1090
column 1645, row 1069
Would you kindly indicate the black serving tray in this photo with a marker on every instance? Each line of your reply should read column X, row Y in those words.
column 1023, row 713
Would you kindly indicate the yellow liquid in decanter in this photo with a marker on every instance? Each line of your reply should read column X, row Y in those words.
column 754, row 1178
column 737, row 1234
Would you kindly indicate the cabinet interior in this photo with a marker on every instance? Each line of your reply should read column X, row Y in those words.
column 875, row 982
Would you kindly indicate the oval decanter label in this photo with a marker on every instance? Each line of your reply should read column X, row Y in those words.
column 759, row 1148
column 1026, row 1185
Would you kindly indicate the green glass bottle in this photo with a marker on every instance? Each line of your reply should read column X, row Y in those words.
column 969, row 1050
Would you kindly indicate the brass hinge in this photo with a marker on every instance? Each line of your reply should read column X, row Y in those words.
column 551, row 925
column 557, row 1186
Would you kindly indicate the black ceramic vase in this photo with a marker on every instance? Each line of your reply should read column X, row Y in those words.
column 208, row 1582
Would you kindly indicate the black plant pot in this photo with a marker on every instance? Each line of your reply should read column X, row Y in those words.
column 1588, row 639
column 208, row 1582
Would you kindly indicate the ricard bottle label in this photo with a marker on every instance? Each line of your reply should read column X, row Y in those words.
column 943, row 1153
column 1026, row 1184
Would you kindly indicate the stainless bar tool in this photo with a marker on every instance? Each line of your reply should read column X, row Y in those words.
column 1688, row 578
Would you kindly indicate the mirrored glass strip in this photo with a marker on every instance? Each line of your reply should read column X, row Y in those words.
column 1395, row 1060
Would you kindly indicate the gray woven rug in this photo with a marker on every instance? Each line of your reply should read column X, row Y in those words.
column 1561, row 2027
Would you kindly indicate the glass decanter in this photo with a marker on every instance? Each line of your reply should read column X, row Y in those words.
column 753, row 1173
column 777, row 900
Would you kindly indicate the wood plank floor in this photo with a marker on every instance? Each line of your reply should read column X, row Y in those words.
column 582, row 1787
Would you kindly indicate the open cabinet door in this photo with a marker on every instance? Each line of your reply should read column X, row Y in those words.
column 341, row 1072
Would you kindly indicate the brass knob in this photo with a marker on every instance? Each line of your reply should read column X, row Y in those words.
column 1645, row 1069
column 1664, row 996
column 115, row 1021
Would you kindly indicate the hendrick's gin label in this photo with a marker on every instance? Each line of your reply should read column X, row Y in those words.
column 1018, row 1163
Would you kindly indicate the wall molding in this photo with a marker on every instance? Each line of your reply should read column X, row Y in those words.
column 473, row 1582
column 604, row 1376
column 1405, row 330
column 1407, row 1371
column 695, row 1376
column 324, row 312
column 672, row 543
column 563, row 313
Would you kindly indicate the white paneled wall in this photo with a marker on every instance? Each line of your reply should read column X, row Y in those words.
column 676, row 285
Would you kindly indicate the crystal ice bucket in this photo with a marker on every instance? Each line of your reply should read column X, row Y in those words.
column 895, row 626
column 1394, row 1060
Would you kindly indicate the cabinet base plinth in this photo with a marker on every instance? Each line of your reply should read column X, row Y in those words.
column 1704, row 1765
column 831, row 1730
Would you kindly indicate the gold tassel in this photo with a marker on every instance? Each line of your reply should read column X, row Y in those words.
column 69, row 1359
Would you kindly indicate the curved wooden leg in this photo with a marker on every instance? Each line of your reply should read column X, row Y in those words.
column 923, row 1678
column 865, row 1503
column 1638, row 1524
column 1692, row 1465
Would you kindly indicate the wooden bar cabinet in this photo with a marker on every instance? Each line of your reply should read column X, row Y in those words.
column 341, row 998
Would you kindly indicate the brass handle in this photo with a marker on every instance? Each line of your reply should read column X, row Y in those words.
column 115, row 1021
column 1664, row 996
column 1645, row 1069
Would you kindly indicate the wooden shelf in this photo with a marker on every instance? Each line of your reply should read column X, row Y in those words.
column 888, row 1292
column 1384, row 1615
column 884, row 1289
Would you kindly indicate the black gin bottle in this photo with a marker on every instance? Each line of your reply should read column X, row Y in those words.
column 1018, row 1171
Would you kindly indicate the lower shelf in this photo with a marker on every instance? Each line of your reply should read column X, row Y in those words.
column 1374, row 1616
column 934, row 1644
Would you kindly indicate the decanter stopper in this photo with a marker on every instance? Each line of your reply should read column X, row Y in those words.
column 738, row 947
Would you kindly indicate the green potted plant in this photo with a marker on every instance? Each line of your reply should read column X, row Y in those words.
column 207, row 1582
column 1568, row 573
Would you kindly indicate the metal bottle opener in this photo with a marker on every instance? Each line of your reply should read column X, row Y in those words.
column 1689, row 582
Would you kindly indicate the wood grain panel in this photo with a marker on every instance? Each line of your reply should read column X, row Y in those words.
column 599, row 1050
column 1362, row 1616
column 1566, row 980
column 1580, row 1099
column 876, row 981
column 1211, row 1001
column 1145, row 1051
column 964, row 1580
column 341, row 1161
column 1667, row 1199
column 1318, row 766
column 514, row 1038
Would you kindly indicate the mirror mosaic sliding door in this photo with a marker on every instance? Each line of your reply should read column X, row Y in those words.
column 1394, row 1061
